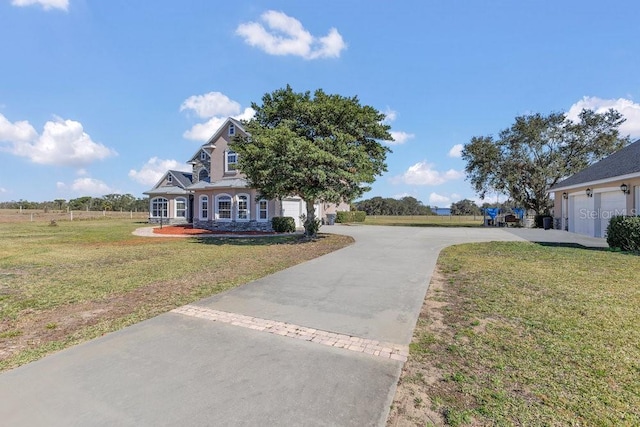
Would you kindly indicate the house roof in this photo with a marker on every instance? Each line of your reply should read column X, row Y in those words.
column 624, row 163
column 174, row 191
column 223, row 183
column 218, row 133
column 180, row 182
column 184, row 178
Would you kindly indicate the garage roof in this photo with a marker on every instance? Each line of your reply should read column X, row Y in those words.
column 621, row 164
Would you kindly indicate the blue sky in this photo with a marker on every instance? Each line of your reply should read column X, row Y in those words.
column 101, row 97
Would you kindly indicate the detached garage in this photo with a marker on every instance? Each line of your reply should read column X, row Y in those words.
column 586, row 201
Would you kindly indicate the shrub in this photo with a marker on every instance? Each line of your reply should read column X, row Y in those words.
column 312, row 228
column 623, row 233
column 283, row 224
column 350, row 216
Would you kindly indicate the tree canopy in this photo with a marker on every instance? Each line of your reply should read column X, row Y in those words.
column 465, row 207
column 389, row 206
column 538, row 151
column 320, row 148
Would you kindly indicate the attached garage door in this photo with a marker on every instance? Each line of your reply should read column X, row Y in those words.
column 581, row 219
column 612, row 203
column 293, row 208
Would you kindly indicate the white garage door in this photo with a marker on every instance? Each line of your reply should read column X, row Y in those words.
column 612, row 203
column 293, row 208
column 582, row 218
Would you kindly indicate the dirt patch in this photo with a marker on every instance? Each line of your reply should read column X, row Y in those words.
column 412, row 406
column 188, row 230
column 34, row 328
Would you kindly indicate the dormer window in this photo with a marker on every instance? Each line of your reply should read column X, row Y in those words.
column 232, row 129
column 231, row 161
column 169, row 178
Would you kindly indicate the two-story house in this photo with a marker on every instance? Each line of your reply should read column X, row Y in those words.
column 216, row 196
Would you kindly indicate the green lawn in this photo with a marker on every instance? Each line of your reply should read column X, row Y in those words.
column 63, row 284
column 524, row 334
column 425, row 220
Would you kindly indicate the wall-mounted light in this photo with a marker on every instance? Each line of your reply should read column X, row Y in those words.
column 565, row 195
column 624, row 188
column 589, row 192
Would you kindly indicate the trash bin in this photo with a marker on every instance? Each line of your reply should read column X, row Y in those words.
column 546, row 222
column 331, row 219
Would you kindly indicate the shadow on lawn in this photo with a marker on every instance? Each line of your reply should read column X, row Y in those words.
column 291, row 239
column 572, row 246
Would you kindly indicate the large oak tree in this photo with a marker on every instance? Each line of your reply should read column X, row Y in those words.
column 538, row 151
column 319, row 147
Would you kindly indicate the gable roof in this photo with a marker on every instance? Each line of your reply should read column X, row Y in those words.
column 217, row 134
column 623, row 164
column 181, row 180
column 184, row 178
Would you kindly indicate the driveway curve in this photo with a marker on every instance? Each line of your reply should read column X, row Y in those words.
column 321, row 343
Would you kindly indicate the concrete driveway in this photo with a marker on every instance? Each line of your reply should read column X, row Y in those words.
column 318, row 344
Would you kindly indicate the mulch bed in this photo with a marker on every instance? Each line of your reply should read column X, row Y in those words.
column 188, row 230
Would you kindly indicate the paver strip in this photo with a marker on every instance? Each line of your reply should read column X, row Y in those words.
column 361, row 345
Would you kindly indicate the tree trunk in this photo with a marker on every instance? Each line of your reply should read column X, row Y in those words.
column 310, row 228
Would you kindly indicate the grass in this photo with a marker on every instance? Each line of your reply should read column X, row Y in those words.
column 425, row 220
column 523, row 334
column 63, row 284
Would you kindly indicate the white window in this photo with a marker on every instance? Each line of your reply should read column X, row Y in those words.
column 181, row 208
column 204, row 207
column 223, row 207
column 231, row 161
column 159, row 207
column 243, row 207
column 263, row 210
column 169, row 178
column 203, row 155
column 232, row 129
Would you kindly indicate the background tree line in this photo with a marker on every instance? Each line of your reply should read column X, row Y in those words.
column 390, row 206
column 109, row 202
column 411, row 206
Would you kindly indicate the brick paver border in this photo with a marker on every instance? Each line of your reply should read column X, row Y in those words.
column 331, row 339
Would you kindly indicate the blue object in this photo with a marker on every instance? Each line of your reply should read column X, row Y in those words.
column 519, row 212
column 492, row 212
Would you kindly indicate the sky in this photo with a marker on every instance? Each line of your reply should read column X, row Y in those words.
column 104, row 96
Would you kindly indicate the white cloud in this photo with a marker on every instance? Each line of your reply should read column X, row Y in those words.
column 203, row 131
column 3, row 190
column 91, row 187
column 436, row 199
column 390, row 115
column 18, row 132
column 216, row 107
column 629, row 109
column 211, row 104
column 400, row 137
column 46, row 4
column 456, row 151
column 423, row 173
column 61, row 185
column 152, row 171
column 285, row 35
column 62, row 143
column 82, row 172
